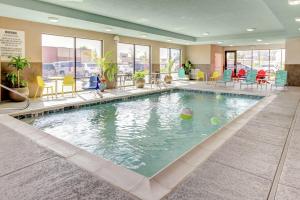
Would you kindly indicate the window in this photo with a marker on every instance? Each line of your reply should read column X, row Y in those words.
column 244, row 60
column 58, row 57
column 142, row 60
column 125, row 58
column 133, row 58
column 277, row 60
column 176, row 56
column 165, row 55
column 164, row 58
column 87, row 54
column 268, row 60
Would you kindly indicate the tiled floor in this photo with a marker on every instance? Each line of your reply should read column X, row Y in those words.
column 245, row 167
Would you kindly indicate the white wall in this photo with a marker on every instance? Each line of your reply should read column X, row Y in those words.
column 293, row 51
column 199, row 54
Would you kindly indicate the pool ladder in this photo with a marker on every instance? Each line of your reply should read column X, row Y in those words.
column 27, row 99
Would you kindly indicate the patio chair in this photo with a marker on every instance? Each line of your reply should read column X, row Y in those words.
column 261, row 76
column 41, row 85
column 68, row 82
column 280, row 79
column 250, row 78
column 241, row 73
column 215, row 76
column 227, row 77
column 181, row 73
column 92, row 84
column 200, row 75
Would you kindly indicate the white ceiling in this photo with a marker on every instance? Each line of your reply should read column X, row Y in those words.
column 225, row 20
column 191, row 17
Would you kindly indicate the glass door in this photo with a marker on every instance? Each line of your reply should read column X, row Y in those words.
column 230, row 60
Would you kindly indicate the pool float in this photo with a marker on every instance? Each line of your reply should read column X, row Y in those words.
column 186, row 113
column 215, row 121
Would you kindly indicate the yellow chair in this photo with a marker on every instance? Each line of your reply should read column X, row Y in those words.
column 215, row 76
column 42, row 85
column 69, row 82
column 200, row 75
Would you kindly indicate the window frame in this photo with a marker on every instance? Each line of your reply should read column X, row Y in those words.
column 134, row 56
column 170, row 57
column 75, row 50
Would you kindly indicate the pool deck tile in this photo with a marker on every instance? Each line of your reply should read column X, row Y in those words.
column 253, row 157
column 56, row 179
column 213, row 180
column 120, row 176
column 291, row 171
column 263, row 133
column 287, row 193
column 176, row 172
column 17, row 152
column 149, row 190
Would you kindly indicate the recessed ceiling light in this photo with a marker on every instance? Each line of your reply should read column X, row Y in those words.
column 108, row 30
column 267, row 43
column 251, row 29
column 294, row 2
column 297, row 19
column 231, row 45
column 206, row 33
column 220, row 42
column 53, row 19
column 259, row 40
column 298, row 29
column 169, row 40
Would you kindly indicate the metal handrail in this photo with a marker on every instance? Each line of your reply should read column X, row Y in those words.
column 27, row 99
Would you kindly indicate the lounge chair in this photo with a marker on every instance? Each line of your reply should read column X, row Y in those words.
column 227, row 77
column 280, row 79
column 250, row 78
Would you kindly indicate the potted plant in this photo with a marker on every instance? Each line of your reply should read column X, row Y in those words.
column 169, row 66
column 109, row 70
column 139, row 78
column 15, row 80
column 187, row 67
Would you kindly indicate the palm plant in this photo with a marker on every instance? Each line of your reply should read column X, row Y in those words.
column 19, row 64
column 169, row 66
column 108, row 68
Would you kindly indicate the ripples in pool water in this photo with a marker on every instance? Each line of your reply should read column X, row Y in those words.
column 147, row 133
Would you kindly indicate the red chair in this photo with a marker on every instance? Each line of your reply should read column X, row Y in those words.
column 242, row 73
column 261, row 76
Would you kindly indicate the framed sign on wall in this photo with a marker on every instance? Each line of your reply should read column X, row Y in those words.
column 12, row 43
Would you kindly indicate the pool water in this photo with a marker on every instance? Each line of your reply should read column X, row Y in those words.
column 145, row 134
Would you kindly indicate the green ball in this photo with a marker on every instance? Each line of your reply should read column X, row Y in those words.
column 215, row 121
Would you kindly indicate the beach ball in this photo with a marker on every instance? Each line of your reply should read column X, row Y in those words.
column 186, row 113
column 215, row 121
